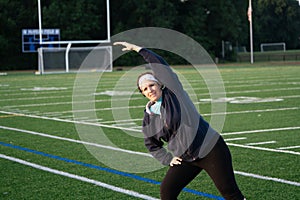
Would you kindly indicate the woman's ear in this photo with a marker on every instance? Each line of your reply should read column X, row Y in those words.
column 141, row 91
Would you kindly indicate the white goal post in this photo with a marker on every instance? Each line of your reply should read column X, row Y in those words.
column 279, row 46
column 76, row 59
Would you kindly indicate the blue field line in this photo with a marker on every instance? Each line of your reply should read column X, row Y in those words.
column 139, row 178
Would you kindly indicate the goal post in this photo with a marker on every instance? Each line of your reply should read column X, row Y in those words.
column 279, row 46
column 74, row 59
column 81, row 58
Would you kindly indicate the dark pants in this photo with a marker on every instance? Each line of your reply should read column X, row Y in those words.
column 217, row 164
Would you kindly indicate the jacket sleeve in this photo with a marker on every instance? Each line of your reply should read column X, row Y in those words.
column 153, row 141
column 162, row 70
column 157, row 150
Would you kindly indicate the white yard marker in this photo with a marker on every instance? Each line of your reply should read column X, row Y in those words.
column 76, row 141
column 145, row 154
column 290, row 147
column 260, row 143
column 43, row 88
column 139, row 130
column 264, row 149
column 234, row 139
column 262, row 130
column 80, row 178
column 268, row 178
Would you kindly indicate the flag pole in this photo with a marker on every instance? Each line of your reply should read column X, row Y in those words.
column 251, row 33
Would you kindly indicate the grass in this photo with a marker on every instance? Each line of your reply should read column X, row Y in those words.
column 42, row 118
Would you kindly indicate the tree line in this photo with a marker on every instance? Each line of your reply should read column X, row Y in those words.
column 207, row 22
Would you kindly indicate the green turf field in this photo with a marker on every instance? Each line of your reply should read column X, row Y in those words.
column 61, row 138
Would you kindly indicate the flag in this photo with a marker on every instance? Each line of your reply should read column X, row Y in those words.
column 249, row 13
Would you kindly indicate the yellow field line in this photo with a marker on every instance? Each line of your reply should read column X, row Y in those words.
column 12, row 115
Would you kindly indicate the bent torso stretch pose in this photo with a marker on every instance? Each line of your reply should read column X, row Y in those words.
column 171, row 117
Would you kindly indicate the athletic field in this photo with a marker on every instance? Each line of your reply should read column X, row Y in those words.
column 61, row 138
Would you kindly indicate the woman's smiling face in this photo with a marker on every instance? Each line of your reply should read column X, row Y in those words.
column 152, row 90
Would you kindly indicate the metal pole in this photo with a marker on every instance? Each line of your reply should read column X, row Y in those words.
column 108, row 20
column 67, row 57
column 223, row 49
column 251, row 33
column 40, row 21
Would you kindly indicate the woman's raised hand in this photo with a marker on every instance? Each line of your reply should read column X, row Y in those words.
column 128, row 46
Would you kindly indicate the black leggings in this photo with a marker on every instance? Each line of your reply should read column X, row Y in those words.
column 217, row 164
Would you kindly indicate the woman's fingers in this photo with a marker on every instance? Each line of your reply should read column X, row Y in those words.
column 175, row 161
column 128, row 46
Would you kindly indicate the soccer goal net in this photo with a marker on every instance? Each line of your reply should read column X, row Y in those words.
column 75, row 59
column 272, row 47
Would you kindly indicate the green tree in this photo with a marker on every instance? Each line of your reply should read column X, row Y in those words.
column 222, row 24
column 208, row 22
column 14, row 16
column 78, row 20
column 277, row 21
column 131, row 14
column 243, row 28
column 191, row 19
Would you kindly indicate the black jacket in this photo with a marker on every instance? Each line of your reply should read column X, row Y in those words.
column 188, row 135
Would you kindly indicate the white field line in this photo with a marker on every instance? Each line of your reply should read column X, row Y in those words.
column 77, row 177
column 263, row 90
column 93, row 120
column 241, row 83
column 110, row 108
column 70, row 121
column 125, row 124
column 234, row 139
column 260, row 143
column 252, row 111
column 75, row 141
column 268, row 178
column 262, row 130
column 257, row 78
column 35, row 98
column 277, row 78
column 203, row 94
column 14, row 92
column 49, row 114
column 122, row 120
column 277, row 97
column 238, row 83
column 135, row 130
column 205, row 114
column 143, row 154
column 68, row 102
column 289, row 147
column 263, row 149
column 56, row 97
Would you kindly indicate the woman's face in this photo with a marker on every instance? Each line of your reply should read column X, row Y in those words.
column 152, row 90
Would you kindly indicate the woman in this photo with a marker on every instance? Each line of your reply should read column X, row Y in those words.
column 171, row 117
